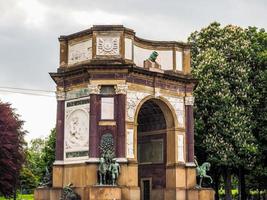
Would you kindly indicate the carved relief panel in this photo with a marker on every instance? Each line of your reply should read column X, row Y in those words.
column 180, row 148
column 133, row 99
column 108, row 44
column 79, row 52
column 130, row 143
column 76, row 140
column 178, row 105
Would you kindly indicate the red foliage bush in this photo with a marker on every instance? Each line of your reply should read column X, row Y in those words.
column 11, row 148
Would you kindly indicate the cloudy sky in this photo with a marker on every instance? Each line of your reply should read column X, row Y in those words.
column 29, row 30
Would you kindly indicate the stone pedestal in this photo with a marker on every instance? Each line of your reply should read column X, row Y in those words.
column 47, row 193
column 201, row 194
column 206, row 194
column 104, row 193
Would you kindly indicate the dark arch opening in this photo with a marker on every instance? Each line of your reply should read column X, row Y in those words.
column 151, row 146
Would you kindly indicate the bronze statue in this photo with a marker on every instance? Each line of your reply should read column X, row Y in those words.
column 114, row 168
column 108, row 169
column 202, row 172
column 102, row 169
column 47, row 179
column 69, row 194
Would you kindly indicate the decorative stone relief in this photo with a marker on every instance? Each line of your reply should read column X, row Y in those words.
column 130, row 143
column 180, row 148
column 108, row 45
column 94, row 89
column 178, row 105
column 77, row 128
column 80, row 52
column 133, row 99
column 189, row 101
column 60, row 95
column 121, row 88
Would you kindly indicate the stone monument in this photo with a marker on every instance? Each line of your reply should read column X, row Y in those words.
column 125, row 125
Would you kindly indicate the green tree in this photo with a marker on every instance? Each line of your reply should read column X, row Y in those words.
column 40, row 154
column 34, row 157
column 28, row 181
column 258, row 176
column 48, row 151
column 221, row 59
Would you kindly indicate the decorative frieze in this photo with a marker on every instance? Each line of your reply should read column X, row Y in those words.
column 77, row 93
column 133, row 99
column 178, row 105
column 189, row 101
column 94, row 89
column 121, row 88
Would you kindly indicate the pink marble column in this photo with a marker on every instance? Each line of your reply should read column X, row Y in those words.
column 60, row 125
column 121, row 90
column 94, row 91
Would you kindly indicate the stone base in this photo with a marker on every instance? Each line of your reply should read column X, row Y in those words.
column 206, row 193
column 201, row 194
column 130, row 193
column 47, row 193
column 86, row 193
column 104, row 193
column 126, row 193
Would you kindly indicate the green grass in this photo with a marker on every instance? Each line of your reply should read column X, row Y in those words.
column 21, row 197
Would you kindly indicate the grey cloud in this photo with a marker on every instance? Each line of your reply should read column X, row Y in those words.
column 28, row 53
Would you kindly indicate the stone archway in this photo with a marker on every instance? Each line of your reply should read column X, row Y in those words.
column 155, row 147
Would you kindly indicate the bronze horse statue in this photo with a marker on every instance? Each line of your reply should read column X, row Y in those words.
column 202, row 172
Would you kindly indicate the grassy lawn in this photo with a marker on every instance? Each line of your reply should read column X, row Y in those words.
column 21, row 197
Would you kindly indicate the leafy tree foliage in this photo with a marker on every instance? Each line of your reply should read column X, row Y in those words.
column 258, row 176
column 11, row 148
column 40, row 154
column 48, row 151
column 28, row 181
column 230, row 64
column 223, row 108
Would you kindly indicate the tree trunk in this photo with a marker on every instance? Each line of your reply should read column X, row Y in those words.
column 227, row 185
column 216, row 186
column 242, row 184
column 15, row 193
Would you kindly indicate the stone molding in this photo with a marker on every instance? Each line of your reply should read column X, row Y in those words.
column 61, row 96
column 94, row 89
column 121, row 88
column 190, row 164
column 189, row 101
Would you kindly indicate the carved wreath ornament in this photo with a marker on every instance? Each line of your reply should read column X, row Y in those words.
column 108, row 46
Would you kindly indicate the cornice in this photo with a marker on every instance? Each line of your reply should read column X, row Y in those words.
column 99, row 28
column 83, row 69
